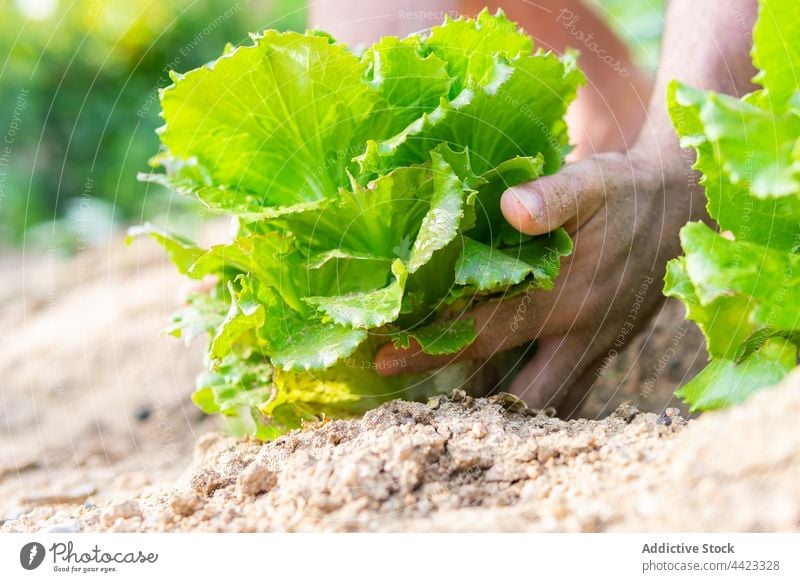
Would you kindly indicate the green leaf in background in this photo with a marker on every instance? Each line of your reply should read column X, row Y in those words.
column 767, row 221
column 740, row 285
column 725, row 321
column 83, row 77
column 725, row 382
column 776, row 54
column 719, row 267
column 756, row 148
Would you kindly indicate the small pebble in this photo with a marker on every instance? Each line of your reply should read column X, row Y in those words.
column 186, row 504
column 532, row 471
column 545, row 453
column 627, row 411
column 143, row 413
column 123, row 511
column 206, row 481
column 479, row 430
column 256, row 479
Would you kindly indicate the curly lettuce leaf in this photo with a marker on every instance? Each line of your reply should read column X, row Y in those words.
column 468, row 46
column 755, row 148
column 298, row 342
column 245, row 315
column 366, row 309
column 767, row 221
column 269, row 129
column 776, row 53
column 519, row 113
column 726, row 382
column 233, row 384
column 486, row 219
column 719, row 267
column 488, row 269
column 543, row 253
column 740, row 285
column 203, row 314
column 410, row 81
column 239, row 388
column 270, row 120
column 449, row 204
column 445, row 337
column 725, row 321
column 376, row 220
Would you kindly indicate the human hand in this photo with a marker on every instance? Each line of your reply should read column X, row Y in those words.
column 624, row 211
column 615, row 208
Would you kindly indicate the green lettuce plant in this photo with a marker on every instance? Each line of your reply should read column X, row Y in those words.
column 364, row 194
column 741, row 282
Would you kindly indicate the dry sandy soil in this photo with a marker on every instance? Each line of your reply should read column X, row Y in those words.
column 97, row 433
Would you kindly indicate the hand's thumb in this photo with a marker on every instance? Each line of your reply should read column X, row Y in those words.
column 570, row 196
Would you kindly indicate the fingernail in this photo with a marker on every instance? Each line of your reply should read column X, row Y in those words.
column 532, row 203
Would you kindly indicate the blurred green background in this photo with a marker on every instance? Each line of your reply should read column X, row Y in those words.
column 79, row 87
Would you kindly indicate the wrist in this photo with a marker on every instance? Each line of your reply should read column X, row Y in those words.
column 672, row 195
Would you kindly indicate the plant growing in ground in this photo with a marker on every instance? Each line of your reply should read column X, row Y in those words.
column 364, row 191
column 741, row 284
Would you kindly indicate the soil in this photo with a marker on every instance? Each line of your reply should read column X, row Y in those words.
column 97, row 433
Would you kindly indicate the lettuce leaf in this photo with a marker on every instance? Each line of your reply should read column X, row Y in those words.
column 436, row 339
column 366, row 192
column 740, row 285
column 776, row 55
column 726, row 382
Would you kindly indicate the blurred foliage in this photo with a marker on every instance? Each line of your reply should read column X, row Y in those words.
column 639, row 23
column 79, row 87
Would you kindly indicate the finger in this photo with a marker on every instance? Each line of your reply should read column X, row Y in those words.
column 501, row 325
column 567, row 198
column 548, row 378
column 577, row 393
column 391, row 361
